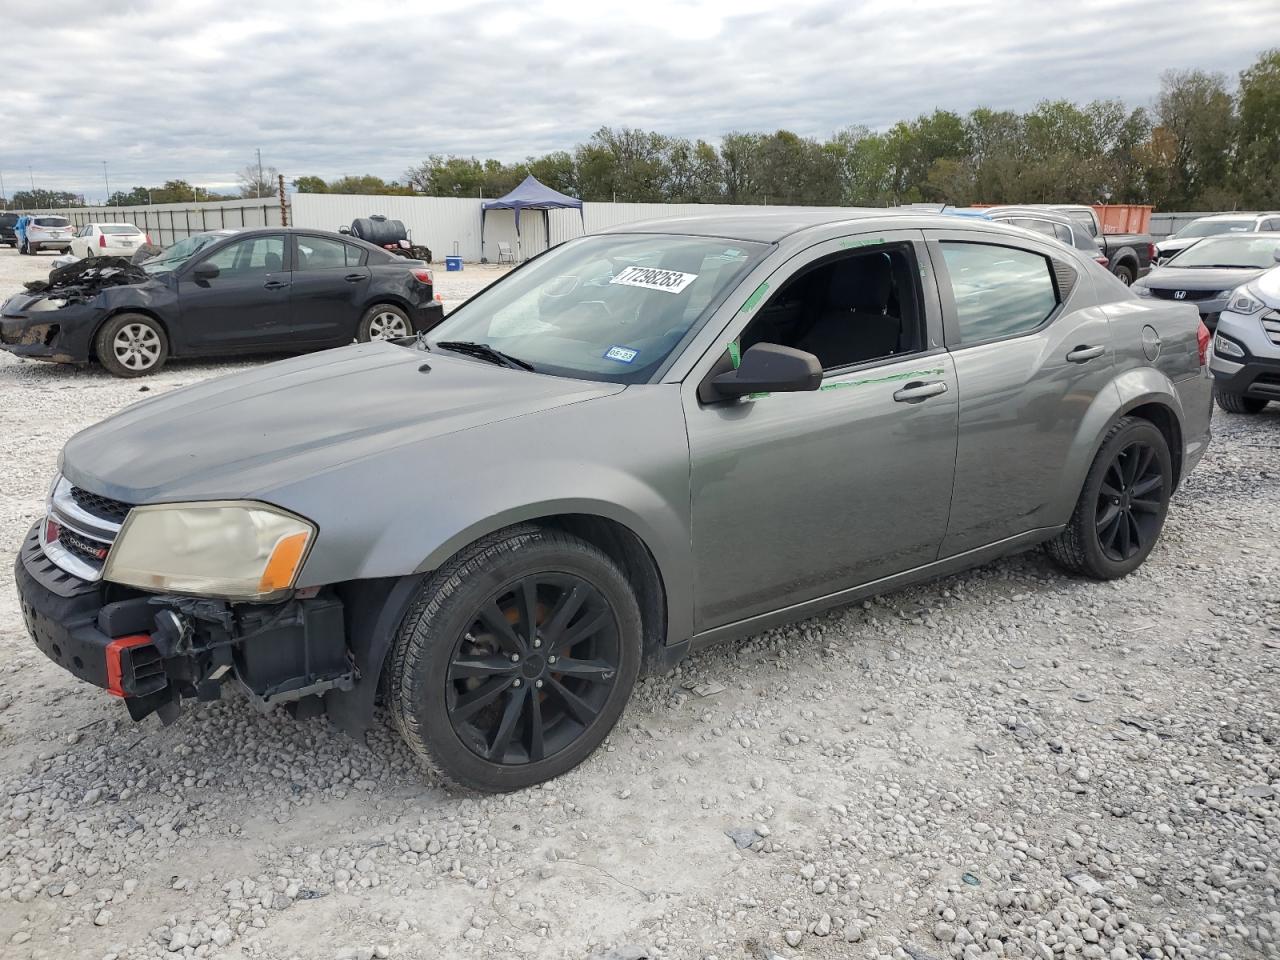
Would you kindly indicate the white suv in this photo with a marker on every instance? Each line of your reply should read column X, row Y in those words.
column 108, row 240
column 47, row 233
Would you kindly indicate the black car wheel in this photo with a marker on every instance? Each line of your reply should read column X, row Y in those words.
column 384, row 321
column 132, row 345
column 515, row 660
column 1238, row 402
column 1124, row 273
column 1122, row 507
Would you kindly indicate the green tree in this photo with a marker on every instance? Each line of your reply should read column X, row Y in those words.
column 1196, row 115
column 41, row 199
column 1259, row 131
column 310, row 184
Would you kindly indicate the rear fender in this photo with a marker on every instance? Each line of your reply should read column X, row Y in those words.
column 1127, row 391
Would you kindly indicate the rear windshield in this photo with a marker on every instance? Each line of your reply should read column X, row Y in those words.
column 1211, row 228
column 127, row 229
column 51, row 222
column 1249, row 251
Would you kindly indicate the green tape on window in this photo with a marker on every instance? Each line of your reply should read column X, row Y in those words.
column 735, row 354
column 756, row 296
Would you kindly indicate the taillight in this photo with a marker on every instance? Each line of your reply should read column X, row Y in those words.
column 1202, row 343
column 1102, row 261
column 1151, row 252
column 422, row 275
column 102, row 239
column 148, row 236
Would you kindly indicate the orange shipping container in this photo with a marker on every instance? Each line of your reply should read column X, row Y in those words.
column 1123, row 217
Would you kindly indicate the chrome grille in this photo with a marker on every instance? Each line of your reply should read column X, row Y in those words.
column 1190, row 296
column 103, row 507
column 79, row 530
column 1271, row 326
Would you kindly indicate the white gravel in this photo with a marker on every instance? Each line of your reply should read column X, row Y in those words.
column 1007, row 763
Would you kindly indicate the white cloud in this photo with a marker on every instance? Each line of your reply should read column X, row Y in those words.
column 189, row 88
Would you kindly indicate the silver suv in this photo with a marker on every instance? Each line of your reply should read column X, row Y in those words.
column 46, row 233
column 1246, row 347
column 642, row 442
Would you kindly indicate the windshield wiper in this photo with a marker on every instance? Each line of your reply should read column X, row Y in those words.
column 482, row 351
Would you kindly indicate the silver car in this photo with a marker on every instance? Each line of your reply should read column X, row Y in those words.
column 1215, row 226
column 1246, row 348
column 635, row 445
column 1207, row 273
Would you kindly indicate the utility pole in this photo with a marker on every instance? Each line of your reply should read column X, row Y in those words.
column 107, row 183
column 4, row 197
column 33, row 178
column 259, row 186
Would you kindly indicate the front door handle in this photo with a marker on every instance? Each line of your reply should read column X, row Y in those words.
column 275, row 285
column 353, row 277
column 919, row 390
column 1085, row 354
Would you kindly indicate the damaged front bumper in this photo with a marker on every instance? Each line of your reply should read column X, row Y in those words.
column 153, row 651
column 58, row 335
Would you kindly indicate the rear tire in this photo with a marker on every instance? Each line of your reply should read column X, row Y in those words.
column 1238, row 402
column 515, row 660
column 1122, row 508
column 131, row 345
column 1125, row 274
column 384, row 321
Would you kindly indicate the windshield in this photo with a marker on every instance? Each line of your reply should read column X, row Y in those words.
column 1250, row 251
column 607, row 307
column 1211, row 228
column 180, row 253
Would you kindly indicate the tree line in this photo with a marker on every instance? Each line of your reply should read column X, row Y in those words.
column 1201, row 146
column 1204, row 144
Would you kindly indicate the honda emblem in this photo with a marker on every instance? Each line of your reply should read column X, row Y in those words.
column 1179, row 294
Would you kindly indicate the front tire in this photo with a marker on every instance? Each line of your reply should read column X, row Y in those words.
column 131, row 345
column 515, row 660
column 1238, row 402
column 384, row 321
column 1123, row 505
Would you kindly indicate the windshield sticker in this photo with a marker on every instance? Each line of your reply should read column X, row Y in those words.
column 756, row 296
column 653, row 278
column 621, row 354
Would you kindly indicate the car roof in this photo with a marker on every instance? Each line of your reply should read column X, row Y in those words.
column 110, row 223
column 775, row 225
column 1043, row 213
column 298, row 231
column 1247, row 234
column 1232, row 216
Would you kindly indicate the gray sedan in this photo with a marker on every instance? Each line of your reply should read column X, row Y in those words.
column 1207, row 273
column 638, row 444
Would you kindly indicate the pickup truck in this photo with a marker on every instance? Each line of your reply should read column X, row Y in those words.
column 1130, row 254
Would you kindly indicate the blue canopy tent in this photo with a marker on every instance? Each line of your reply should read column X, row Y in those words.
column 530, row 195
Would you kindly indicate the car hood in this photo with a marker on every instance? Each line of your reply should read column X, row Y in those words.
column 1171, row 245
column 1199, row 278
column 242, row 435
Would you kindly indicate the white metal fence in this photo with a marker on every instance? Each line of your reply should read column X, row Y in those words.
column 168, row 223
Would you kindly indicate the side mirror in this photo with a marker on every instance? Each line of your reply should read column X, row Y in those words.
column 205, row 270
column 770, row 368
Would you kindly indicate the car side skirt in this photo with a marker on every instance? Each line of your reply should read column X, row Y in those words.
column 929, row 571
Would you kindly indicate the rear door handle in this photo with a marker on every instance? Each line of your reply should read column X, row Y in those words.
column 919, row 390
column 353, row 277
column 1085, row 354
column 275, row 285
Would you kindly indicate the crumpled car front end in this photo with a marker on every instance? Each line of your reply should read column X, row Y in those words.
column 41, row 327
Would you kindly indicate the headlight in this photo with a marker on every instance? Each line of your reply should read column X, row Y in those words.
column 1226, row 348
column 1243, row 301
column 1141, row 290
column 239, row 551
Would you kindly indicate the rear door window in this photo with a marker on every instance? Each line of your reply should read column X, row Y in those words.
column 319, row 253
column 999, row 291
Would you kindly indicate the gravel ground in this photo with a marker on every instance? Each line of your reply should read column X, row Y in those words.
column 1005, row 763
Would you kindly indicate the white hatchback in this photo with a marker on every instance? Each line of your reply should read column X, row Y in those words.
column 107, row 240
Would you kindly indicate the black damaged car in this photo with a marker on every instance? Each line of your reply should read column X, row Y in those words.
column 222, row 293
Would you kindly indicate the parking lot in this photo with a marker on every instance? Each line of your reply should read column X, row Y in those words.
column 1009, row 762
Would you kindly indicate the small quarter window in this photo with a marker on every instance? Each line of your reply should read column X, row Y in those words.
column 999, row 291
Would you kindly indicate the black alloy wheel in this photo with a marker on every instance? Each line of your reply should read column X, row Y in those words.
column 1121, row 509
column 534, row 669
column 1131, row 501
column 515, row 659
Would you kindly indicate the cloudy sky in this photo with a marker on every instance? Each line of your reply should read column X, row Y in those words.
column 188, row 89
